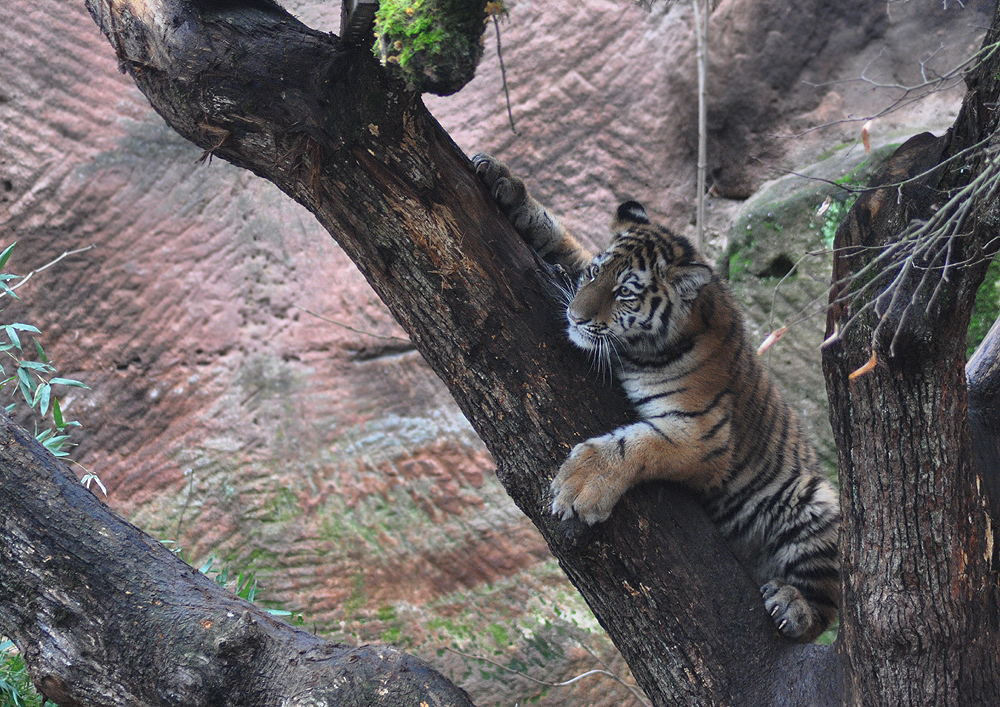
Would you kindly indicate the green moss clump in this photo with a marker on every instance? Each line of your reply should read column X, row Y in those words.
column 434, row 45
column 738, row 264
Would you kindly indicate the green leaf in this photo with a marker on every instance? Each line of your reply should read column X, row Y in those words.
column 12, row 333
column 69, row 381
column 5, row 256
column 37, row 397
column 57, row 413
column 55, row 445
column 24, row 327
column 37, row 366
column 25, row 378
column 43, row 404
column 41, row 352
column 27, row 385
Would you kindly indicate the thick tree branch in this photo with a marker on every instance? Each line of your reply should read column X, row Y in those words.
column 920, row 564
column 326, row 125
column 105, row 615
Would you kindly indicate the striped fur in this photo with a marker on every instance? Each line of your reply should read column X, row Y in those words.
column 652, row 309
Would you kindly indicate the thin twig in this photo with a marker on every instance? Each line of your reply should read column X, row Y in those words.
column 27, row 277
column 350, row 328
column 701, row 40
column 503, row 73
column 909, row 94
column 921, row 245
column 850, row 189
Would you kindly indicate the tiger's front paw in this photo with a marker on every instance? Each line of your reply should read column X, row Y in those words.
column 587, row 485
column 790, row 611
column 507, row 190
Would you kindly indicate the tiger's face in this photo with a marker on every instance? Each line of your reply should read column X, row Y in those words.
column 635, row 297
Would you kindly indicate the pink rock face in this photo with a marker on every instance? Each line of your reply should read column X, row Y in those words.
column 250, row 398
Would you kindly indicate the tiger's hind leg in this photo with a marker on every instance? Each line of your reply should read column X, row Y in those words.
column 803, row 591
column 790, row 611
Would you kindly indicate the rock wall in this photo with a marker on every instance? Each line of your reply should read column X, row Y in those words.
column 250, row 397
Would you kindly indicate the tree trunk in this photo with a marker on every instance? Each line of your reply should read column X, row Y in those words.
column 105, row 615
column 920, row 623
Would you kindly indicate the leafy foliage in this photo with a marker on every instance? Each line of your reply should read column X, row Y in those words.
column 243, row 585
column 32, row 378
column 16, row 689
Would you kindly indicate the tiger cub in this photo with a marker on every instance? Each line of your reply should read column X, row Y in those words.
column 711, row 418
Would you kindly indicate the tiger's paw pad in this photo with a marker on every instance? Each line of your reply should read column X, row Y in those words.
column 789, row 610
column 583, row 488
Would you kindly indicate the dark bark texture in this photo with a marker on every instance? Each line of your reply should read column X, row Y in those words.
column 105, row 615
column 920, row 623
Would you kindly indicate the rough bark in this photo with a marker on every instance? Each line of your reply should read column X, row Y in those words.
column 254, row 86
column 920, row 624
column 105, row 615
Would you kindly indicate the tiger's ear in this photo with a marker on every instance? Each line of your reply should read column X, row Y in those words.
column 689, row 279
column 632, row 211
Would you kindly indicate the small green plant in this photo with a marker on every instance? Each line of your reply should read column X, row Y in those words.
column 833, row 217
column 33, row 378
column 739, row 263
column 829, row 636
column 243, row 585
column 16, row 689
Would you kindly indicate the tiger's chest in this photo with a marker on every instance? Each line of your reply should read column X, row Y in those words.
column 666, row 396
